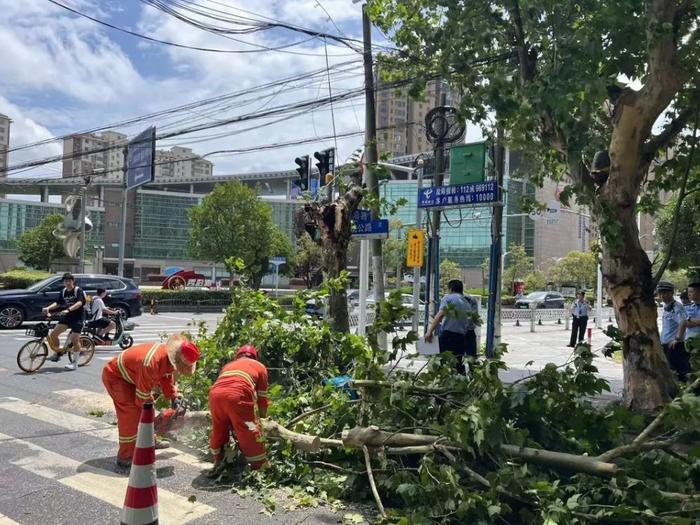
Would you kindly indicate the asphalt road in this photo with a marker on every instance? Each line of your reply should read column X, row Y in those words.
column 57, row 452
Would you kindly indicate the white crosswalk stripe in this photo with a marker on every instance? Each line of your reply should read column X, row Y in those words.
column 100, row 484
column 84, row 425
column 4, row 520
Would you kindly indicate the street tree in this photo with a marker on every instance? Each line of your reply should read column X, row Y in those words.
column 38, row 247
column 308, row 258
column 518, row 265
column 575, row 268
column 331, row 221
column 449, row 271
column 565, row 80
column 394, row 252
column 683, row 247
column 232, row 223
column 535, row 281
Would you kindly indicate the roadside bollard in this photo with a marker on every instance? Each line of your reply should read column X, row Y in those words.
column 533, row 311
column 517, row 322
column 567, row 327
column 153, row 307
column 559, row 320
column 590, row 336
column 198, row 307
column 539, row 322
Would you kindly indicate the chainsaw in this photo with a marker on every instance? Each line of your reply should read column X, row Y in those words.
column 169, row 420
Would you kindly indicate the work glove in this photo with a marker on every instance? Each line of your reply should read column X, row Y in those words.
column 175, row 403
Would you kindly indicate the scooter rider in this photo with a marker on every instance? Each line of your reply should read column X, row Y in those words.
column 72, row 300
column 97, row 320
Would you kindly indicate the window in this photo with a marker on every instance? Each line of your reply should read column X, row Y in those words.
column 55, row 286
column 113, row 284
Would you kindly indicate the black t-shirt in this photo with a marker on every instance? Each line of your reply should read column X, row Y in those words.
column 67, row 299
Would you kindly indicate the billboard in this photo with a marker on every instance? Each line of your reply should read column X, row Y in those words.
column 140, row 159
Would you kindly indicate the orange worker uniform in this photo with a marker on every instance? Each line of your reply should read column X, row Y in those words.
column 241, row 385
column 131, row 377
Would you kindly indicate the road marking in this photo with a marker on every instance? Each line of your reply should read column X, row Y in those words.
column 3, row 370
column 102, row 484
column 84, row 425
column 4, row 520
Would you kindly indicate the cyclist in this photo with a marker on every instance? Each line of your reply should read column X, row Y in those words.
column 71, row 301
column 97, row 320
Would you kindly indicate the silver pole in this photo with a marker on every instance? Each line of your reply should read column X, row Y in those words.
column 122, row 230
column 416, row 271
column 599, row 299
column 83, row 206
column 364, row 282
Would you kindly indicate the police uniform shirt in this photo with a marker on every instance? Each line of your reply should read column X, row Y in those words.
column 693, row 312
column 581, row 309
column 672, row 316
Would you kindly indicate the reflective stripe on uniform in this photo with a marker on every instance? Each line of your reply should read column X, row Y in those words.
column 127, row 439
column 215, row 450
column 259, row 457
column 142, row 395
column 239, row 373
column 122, row 369
column 262, row 393
column 149, row 355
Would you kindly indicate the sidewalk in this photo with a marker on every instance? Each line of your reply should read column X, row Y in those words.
column 529, row 352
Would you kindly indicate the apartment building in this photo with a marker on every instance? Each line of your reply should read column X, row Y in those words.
column 103, row 154
column 4, row 143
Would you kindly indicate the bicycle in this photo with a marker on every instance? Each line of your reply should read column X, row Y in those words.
column 32, row 356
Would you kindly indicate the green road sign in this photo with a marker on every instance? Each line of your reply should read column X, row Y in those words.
column 467, row 163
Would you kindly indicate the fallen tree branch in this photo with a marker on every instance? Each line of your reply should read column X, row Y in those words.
column 373, row 486
column 563, row 460
column 632, row 448
column 397, row 385
column 304, row 415
column 303, row 442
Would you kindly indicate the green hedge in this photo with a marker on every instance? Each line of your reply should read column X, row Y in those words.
column 186, row 296
column 21, row 278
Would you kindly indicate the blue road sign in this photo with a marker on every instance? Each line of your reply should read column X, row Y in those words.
column 471, row 195
column 364, row 227
column 140, row 159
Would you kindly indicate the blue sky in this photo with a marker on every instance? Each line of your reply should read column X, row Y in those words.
column 61, row 73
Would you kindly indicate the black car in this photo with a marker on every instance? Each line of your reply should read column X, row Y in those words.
column 18, row 306
column 542, row 300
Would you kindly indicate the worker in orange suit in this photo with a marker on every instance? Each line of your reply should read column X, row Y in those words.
column 240, row 388
column 131, row 377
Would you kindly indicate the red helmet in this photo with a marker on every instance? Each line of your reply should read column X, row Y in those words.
column 247, row 351
column 189, row 352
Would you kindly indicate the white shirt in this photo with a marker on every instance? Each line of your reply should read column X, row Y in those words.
column 98, row 305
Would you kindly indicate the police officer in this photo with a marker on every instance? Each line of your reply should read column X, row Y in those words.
column 690, row 328
column 579, row 311
column 672, row 317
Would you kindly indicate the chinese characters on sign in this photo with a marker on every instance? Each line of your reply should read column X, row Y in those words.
column 459, row 195
column 415, row 248
column 365, row 227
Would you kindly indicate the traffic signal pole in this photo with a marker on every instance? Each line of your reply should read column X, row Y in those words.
column 122, row 230
column 371, row 158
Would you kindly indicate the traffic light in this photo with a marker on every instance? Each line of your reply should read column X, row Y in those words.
column 303, row 171
column 325, row 161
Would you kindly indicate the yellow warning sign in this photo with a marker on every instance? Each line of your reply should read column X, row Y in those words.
column 415, row 248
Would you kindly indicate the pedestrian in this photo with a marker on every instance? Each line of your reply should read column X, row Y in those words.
column 240, row 389
column 690, row 328
column 579, row 311
column 97, row 320
column 131, row 377
column 454, row 317
column 672, row 317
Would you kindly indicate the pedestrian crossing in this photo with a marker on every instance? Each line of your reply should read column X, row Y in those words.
column 46, row 458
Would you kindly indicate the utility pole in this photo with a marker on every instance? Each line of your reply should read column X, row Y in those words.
column 122, row 231
column 493, row 328
column 371, row 159
column 438, row 178
column 83, row 210
column 416, row 270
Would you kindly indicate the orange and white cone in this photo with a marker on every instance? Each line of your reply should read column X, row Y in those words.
column 141, row 502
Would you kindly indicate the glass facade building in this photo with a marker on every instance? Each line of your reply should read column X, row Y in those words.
column 16, row 217
column 465, row 234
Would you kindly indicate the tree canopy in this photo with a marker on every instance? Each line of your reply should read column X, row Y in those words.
column 518, row 265
column 231, row 222
column 685, row 251
column 38, row 247
column 579, row 269
column 564, row 81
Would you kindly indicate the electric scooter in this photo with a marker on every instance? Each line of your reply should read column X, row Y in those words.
column 122, row 338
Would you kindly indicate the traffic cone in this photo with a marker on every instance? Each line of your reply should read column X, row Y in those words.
column 590, row 336
column 141, row 502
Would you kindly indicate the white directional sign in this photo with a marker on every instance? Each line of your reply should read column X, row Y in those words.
column 550, row 212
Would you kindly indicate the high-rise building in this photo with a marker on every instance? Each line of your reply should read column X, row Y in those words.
column 4, row 143
column 107, row 158
column 401, row 119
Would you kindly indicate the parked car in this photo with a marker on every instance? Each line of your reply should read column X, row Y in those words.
column 542, row 300
column 18, row 306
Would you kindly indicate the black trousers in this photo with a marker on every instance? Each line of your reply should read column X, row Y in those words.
column 460, row 345
column 578, row 330
column 678, row 359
